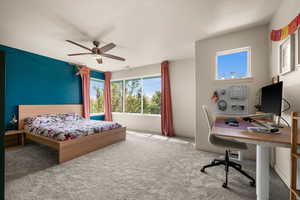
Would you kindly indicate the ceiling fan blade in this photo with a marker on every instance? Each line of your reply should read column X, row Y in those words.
column 78, row 54
column 107, row 47
column 99, row 60
column 112, row 56
column 79, row 45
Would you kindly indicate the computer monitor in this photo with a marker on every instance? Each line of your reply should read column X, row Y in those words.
column 271, row 98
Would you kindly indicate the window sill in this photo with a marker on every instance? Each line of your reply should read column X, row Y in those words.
column 236, row 80
column 137, row 114
column 96, row 114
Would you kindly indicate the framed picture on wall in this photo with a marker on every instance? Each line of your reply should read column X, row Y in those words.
column 297, row 48
column 286, row 56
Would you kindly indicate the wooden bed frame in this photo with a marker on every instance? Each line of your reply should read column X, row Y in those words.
column 69, row 149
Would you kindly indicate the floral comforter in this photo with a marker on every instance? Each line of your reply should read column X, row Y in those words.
column 66, row 126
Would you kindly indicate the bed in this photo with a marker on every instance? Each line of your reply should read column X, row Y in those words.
column 61, row 127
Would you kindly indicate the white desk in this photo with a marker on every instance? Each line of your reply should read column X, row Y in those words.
column 263, row 143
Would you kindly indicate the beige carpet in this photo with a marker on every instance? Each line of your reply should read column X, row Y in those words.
column 143, row 167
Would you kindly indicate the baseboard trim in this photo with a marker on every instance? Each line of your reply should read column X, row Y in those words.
column 158, row 133
column 144, row 131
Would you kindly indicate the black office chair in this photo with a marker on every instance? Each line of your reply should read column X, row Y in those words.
column 227, row 144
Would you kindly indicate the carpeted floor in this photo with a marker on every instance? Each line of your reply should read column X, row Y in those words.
column 144, row 167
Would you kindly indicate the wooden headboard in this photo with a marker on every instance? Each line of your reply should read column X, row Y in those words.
column 34, row 110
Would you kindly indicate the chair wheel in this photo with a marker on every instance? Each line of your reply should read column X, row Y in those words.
column 202, row 170
column 224, row 185
column 252, row 183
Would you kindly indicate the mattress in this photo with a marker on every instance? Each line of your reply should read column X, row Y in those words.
column 66, row 126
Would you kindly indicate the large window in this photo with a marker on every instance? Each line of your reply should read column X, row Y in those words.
column 141, row 95
column 117, row 96
column 133, row 96
column 96, row 96
column 151, row 95
column 233, row 64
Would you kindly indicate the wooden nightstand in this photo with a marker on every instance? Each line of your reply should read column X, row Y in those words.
column 16, row 132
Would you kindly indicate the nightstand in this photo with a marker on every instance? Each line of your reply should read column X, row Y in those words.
column 16, row 132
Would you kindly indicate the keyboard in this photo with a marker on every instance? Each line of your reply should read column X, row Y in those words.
column 263, row 127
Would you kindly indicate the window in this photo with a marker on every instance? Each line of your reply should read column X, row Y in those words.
column 133, row 96
column 151, row 95
column 117, row 96
column 233, row 64
column 139, row 95
column 96, row 96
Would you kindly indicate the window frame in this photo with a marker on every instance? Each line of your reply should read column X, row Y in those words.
column 231, row 51
column 99, row 80
column 124, row 96
column 142, row 85
column 122, row 91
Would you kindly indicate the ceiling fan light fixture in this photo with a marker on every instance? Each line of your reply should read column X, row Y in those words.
column 97, row 56
column 97, row 53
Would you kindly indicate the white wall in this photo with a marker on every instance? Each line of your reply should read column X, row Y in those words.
column 183, row 88
column 182, row 81
column 257, row 39
column 288, row 10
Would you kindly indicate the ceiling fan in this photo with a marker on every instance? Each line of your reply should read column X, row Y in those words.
column 100, row 52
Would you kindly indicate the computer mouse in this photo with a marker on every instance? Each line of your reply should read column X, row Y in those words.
column 248, row 119
column 274, row 130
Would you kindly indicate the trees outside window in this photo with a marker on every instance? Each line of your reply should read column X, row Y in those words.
column 151, row 95
column 133, row 96
column 141, row 95
column 117, row 96
column 96, row 96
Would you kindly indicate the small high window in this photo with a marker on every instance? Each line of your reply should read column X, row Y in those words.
column 233, row 64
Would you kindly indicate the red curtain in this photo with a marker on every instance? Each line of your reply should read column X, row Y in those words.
column 85, row 82
column 107, row 97
column 166, row 101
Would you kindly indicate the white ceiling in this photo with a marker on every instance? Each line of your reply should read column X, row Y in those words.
column 145, row 31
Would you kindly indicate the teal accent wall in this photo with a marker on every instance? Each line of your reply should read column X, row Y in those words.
column 33, row 79
column 2, row 128
column 98, row 75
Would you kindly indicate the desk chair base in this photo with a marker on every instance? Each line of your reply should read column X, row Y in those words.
column 227, row 163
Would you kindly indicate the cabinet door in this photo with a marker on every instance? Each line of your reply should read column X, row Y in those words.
column 2, row 98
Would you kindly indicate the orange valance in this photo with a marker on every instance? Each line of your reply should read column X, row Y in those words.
column 280, row 34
